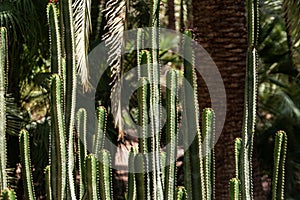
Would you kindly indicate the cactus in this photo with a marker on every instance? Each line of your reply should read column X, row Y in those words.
column 181, row 193
column 208, row 131
column 58, row 139
column 8, row 194
column 171, row 134
column 82, row 151
column 194, row 174
column 279, row 161
column 139, row 165
column 48, row 182
column 234, row 192
column 237, row 154
column 250, row 101
column 101, row 130
column 131, row 175
column 104, row 165
column 92, row 177
column 3, row 82
column 26, row 163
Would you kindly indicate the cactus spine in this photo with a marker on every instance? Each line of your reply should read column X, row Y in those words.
column 26, row 172
column 278, row 169
column 3, row 69
column 250, row 101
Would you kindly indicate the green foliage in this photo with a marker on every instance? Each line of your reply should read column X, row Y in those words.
column 92, row 177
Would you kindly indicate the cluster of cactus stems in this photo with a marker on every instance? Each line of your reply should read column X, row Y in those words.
column 152, row 171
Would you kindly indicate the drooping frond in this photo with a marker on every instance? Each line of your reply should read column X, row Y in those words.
column 291, row 10
column 83, row 26
column 115, row 13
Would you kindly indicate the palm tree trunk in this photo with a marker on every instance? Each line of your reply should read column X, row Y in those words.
column 221, row 30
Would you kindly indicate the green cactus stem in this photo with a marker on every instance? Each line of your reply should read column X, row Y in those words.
column 181, row 193
column 131, row 175
column 26, row 165
column 208, row 131
column 194, row 174
column 92, row 177
column 48, row 182
column 171, row 134
column 82, row 148
column 250, row 102
column 58, row 140
column 3, row 70
column 279, row 165
column 8, row 194
column 55, row 39
column 237, row 155
column 101, row 130
column 234, row 192
column 141, row 187
column 105, row 175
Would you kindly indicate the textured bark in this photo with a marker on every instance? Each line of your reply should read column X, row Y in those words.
column 221, row 30
column 171, row 15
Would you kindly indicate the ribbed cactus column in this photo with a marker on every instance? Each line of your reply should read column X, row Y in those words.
column 3, row 69
column 26, row 165
column 250, row 101
column 171, row 135
column 8, row 194
column 279, row 165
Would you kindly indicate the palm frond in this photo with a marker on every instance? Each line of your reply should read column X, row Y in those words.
column 83, row 25
column 291, row 10
column 115, row 13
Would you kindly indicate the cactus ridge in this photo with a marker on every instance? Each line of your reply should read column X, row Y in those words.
column 101, row 130
column 237, row 155
column 55, row 39
column 208, row 131
column 279, row 162
column 58, row 138
column 131, row 190
column 8, row 194
column 3, row 83
column 181, row 193
column 82, row 151
column 92, row 177
column 104, row 165
column 234, row 191
column 48, row 182
column 171, row 134
column 26, row 163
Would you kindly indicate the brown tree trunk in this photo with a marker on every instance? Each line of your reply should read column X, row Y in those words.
column 171, row 15
column 221, row 30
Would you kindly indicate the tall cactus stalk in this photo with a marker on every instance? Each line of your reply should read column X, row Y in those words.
column 250, row 101
column 131, row 175
column 3, row 70
column 104, row 165
column 194, row 174
column 171, row 134
column 181, row 194
column 82, row 148
column 279, row 162
column 101, row 130
column 26, row 165
column 58, row 139
column 48, row 182
column 208, row 131
column 237, row 155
